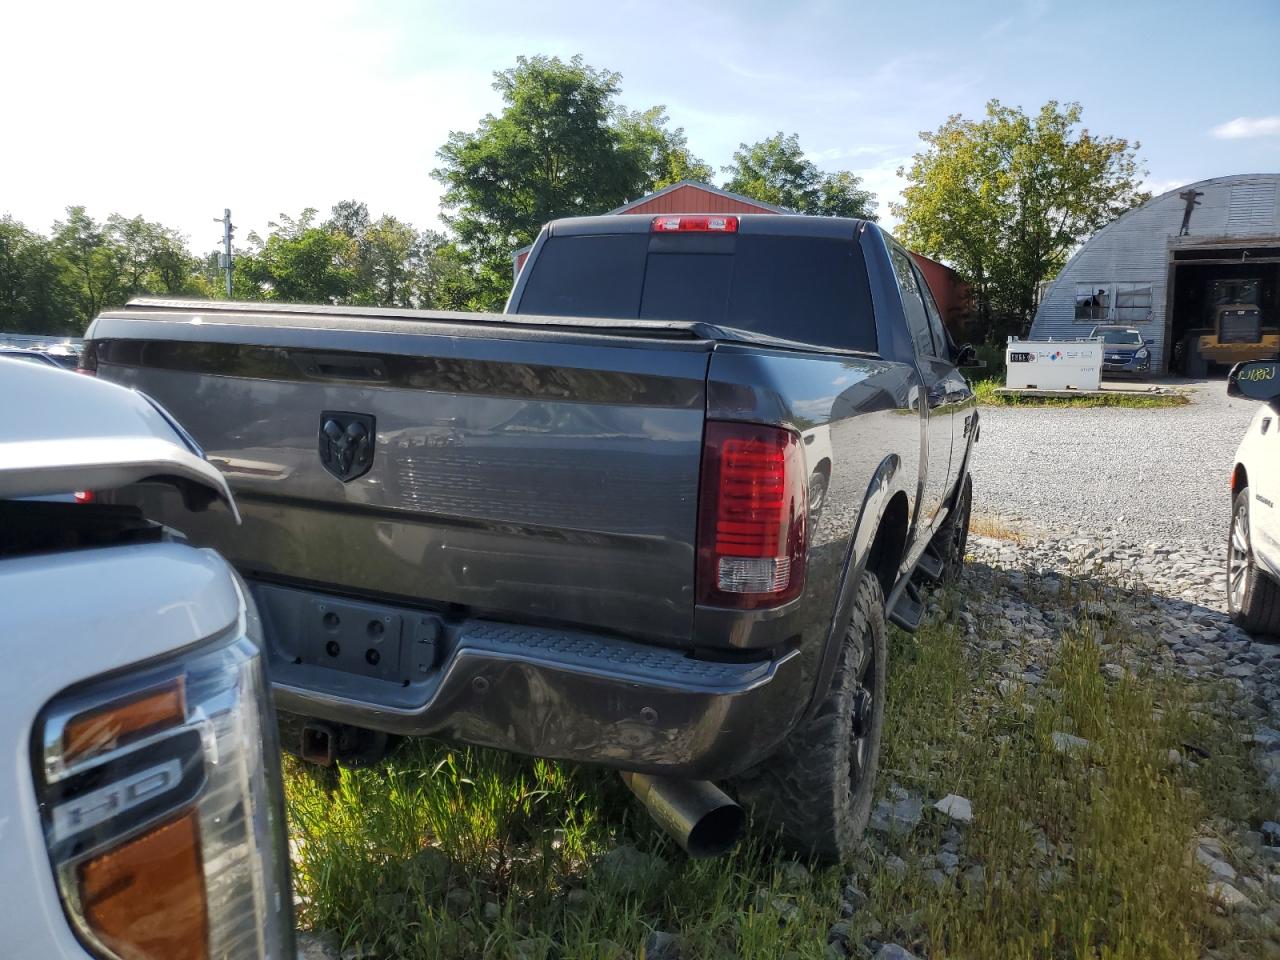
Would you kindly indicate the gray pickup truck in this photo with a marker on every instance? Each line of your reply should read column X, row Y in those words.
column 654, row 516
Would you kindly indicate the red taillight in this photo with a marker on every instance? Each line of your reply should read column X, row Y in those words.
column 751, row 516
column 700, row 224
column 83, row 496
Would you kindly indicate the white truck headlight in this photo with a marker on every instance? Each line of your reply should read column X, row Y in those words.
column 161, row 801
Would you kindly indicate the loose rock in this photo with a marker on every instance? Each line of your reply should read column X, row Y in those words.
column 313, row 946
column 893, row 951
column 629, row 869
column 662, row 946
column 1068, row 743
column 897, row 816
column 956, row 807
column 1226, row 896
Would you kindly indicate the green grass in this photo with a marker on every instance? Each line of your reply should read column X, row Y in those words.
column 446, row 852
column 986, row 392
column 991, row 354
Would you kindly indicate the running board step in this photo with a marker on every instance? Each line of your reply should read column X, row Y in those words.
column 929, row 565
column 909, row 609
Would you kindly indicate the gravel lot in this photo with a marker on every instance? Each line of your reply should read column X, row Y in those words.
column 1145, row 475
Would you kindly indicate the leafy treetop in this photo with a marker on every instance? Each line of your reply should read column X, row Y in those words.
column 1006, row 199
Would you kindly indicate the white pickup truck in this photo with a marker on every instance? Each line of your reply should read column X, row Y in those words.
column 141, row 813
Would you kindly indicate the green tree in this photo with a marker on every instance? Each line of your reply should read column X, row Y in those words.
column 349, row 217
column 393, row 262
column 298, row 262
column 662, row 153
column 93, row 265
column 394, row 259
column 154, row 259
column 551, row 152
column 454, row 282
column 1006, row 199
column 33, row 297
column 777, row 171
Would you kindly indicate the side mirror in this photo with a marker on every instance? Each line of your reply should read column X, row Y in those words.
column 1148, row 341
column 1255, row 380
column 967, row 356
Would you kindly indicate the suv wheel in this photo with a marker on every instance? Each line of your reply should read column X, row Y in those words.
column 1253, row 598
column 817, row 789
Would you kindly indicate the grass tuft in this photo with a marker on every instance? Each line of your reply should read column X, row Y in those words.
column 995, row 528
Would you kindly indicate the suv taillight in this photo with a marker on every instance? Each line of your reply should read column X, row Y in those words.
column 159, row 790
column 752, row 512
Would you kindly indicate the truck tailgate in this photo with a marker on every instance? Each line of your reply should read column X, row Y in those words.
column 534, row 474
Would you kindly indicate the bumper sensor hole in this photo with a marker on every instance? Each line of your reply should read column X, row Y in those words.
column 331, row 621
column 374, row 629
column 332, row 648
column 372, row 656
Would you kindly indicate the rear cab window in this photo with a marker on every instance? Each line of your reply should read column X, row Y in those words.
column 912, row 303
column 804, row 288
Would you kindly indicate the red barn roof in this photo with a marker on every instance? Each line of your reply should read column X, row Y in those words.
column 689, row 196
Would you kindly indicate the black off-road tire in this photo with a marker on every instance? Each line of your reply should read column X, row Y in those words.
column 953, row 535
column 818, row 788
column 1253, row 598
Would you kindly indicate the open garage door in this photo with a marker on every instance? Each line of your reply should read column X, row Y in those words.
column 1224, row 306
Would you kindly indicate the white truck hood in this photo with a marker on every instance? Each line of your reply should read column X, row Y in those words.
column 60, row 432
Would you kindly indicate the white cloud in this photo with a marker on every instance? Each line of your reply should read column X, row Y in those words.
column 1247, row 127
column 1162, row 185
column 833, row 154
column 882, row 179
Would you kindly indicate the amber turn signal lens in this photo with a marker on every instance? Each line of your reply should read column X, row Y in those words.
column 107, row 727
column 145, row 900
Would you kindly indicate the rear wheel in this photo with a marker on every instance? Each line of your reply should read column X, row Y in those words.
column 1253, row 598
column 817, row 789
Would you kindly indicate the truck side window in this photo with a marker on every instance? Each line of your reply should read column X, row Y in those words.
column 935, row 317
column 912, row 303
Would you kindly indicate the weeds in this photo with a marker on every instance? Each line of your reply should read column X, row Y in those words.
column 987, row 393
column 995, row 529
column 446, row 852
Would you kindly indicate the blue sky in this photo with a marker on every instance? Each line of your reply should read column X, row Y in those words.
column 175, row 111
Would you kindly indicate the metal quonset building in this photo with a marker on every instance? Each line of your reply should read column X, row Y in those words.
column 1154, row 267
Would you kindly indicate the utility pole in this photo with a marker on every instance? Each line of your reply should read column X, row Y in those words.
column 224, row 258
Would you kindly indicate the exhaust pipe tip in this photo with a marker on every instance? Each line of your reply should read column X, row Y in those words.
column 697, row 814
column 717, row 833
